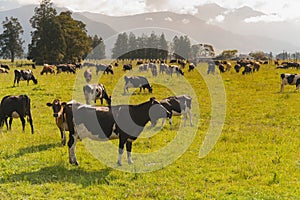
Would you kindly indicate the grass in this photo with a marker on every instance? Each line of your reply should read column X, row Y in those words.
column 256, row 156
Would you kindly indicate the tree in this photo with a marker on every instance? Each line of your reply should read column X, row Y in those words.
column 258, row 55
column 10, row 41
column 47, row 43
column 181, row 47
column 227, row 54
column 163, row 47
column 98, row 48
column 78, row 43
column 120, row 49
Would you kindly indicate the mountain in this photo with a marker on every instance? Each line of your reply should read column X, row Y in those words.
column 199, row 30
column 230, row 31
column 246, row 21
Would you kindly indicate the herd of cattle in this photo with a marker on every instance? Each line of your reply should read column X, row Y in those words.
column 123, row 122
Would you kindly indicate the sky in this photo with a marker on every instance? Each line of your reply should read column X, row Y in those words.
column 274, row 9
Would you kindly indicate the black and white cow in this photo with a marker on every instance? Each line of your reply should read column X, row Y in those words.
column 94, row 92
column 5, row 66
column 24, row 75
column 3, row 71
column 136, row 82
column 104, row 68
column 127, row 67
column 15, row 107
column 123, row 122
column 291, row 79
column 60, row 119
column 87, row 75
column 69, row 68
column 178, row 105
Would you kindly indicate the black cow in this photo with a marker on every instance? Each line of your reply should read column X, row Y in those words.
column 24, row 75
column 136, row 82
column 178, row 105
column 69, row 68
column 291, row 79
column 123, row 122
column 94, row 92
column 237, row 68
column 248, row 69
column 14, row 107
column 105, row 68
column 127, row 67
column 191, row 67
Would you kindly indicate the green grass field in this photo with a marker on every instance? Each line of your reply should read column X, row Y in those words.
column 257, row 155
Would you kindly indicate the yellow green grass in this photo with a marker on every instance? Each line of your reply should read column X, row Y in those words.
column 257, row 155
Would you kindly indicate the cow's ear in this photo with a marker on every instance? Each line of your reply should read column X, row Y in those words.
column 63, row 103
column 49, row 104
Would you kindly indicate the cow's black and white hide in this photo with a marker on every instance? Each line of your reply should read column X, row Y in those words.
column 104, row 68
column 127, row 67
column 179, row 105
column 15, row 107
column 24, row 75
column 290, row 79
column 123, row 122
column 136, row 82
column 92, row 92
column 87, row 75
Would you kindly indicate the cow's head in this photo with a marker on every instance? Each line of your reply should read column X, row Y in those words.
column 157, row 111
column 56, row 107
column 150, row 88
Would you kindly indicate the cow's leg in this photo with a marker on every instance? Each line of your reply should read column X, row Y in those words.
column 190, row 117
column 297, row 84
column 122, row 141
column 282, row 87
column 10, row 123
column 101, row 100
column 170, row 122
column 23, row 122
column 31, row 124
column 128, row 149
column 63, row 137
column 72, row 145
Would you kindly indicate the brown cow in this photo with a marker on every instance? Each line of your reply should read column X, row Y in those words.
column 48, row 69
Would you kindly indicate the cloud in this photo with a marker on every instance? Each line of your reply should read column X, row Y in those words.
column 264, row 18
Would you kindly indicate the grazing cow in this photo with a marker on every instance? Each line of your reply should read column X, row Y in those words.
column 105, row 68
column 87, row 75
column 143, row 67
column 15, row 107
column 60, row 118
column 191, row 67
column 163, row 68
column 237, row 68
column 24, row 75
column 178, row 105
column 178, row 70
column 136, row 82
column 248, row 69
column 127, row 67
column 94, row 92
column 5, row 66
column 123, row 122
column 211, row 67
column 291, row 79
column 221, row 68
column 69, row 68
column 48, row 69
column 2, row 70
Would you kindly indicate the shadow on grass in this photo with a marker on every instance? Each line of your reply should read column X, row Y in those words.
column 34, row 149
column 59, row 174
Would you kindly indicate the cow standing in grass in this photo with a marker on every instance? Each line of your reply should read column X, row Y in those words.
column 15, row 107
column 24, row 75
column 123, row 122
column 290, row 79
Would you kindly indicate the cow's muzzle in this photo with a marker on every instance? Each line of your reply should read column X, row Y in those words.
column 55, row 115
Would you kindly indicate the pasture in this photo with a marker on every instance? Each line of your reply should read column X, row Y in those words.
column 257, row 155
